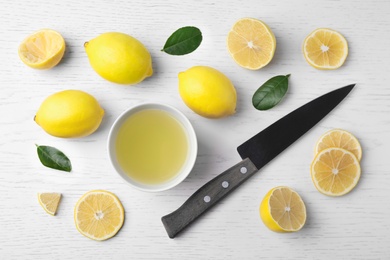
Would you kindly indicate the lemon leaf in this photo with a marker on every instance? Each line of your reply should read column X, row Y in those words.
column 53, row 158
column 270, row 93
column 183, row 41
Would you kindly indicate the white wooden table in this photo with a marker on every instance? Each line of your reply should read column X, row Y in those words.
column 355, row 226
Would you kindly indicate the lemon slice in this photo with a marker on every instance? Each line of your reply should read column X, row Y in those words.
column 49, row 201
column 42, row 50
column 99, row 215
column 341, row 139
column 251, row 43
column 325, row 49
column 335, row 171
column 283, row 210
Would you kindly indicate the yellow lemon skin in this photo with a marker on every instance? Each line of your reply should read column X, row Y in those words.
column 69, row 114
column 119, row 58
column 208, row 92
column 265, row 214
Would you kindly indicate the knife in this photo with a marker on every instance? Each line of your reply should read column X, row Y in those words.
column 255, row 153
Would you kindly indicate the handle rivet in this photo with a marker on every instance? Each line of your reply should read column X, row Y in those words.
column 206, row 199
column 243, row 170
column 225, row 184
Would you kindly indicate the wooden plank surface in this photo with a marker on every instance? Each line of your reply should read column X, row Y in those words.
column 351, row 227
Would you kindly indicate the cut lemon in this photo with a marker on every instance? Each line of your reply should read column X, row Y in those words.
column 335, row 171
column 341, row 139
column 325, row 49
column 42, row 50
column 251, row 43
column 283, row 210
column 49, row 201
column 99, row 215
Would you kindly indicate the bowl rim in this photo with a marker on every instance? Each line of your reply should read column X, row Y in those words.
column 192, row 141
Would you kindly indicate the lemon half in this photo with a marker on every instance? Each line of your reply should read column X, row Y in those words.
column 283, row 210
column 251, row 43
column 325, row 49
column 43, row 49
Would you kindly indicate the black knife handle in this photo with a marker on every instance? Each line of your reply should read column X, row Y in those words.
column 207, row 196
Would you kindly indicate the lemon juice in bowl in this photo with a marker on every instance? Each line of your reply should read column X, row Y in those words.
column 152, row 146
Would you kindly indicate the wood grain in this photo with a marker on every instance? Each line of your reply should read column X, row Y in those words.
column 351, row 227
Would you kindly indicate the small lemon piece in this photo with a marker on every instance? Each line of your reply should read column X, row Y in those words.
column 325, row 49
column 283, row 210
column 119, row 58
column 69, row 113
column 335, row 171
column 99, row 215
column 251, row 43
column 42, row 50
column 208, row 92
column 49, row 201
column 341, row 139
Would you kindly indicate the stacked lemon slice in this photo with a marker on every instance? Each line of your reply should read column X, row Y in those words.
column 335, row 170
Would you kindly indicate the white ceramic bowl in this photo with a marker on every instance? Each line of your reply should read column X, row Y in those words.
column 192, row 146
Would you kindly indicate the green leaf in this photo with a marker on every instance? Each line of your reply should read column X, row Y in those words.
column 270, row 93
column 183, row 41
column 53, row 158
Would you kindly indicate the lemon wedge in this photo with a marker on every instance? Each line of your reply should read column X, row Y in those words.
column 49, row 201
column 43, row 49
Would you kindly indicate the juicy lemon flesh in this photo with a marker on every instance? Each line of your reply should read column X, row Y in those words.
column 335, row 171
column 283, row 210
column 208, row 92
column 251, row 43
column 99, row 215
column 119, row 58
column 49, row 202
column 70, row 114
column 325, row 49
column 341, row 139
column 43, row 49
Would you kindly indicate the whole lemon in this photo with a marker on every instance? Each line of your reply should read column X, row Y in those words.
column 69, row 113
column 208, row 92
column 119, row 58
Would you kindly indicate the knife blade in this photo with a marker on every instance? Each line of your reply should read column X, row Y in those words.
column 255, row 152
